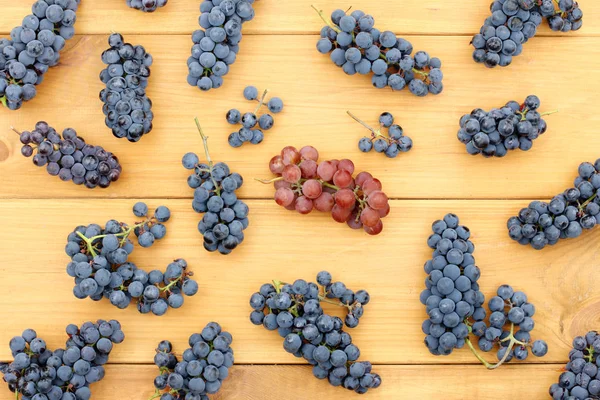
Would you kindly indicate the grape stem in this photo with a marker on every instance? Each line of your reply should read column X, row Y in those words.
column 374, row 133
column 3, row 101
column 328, row 23
column 207, row 154
column 509, row 347
column 123, row 235
column 588, row 201
column 156, row 395
column 261, row 102
column 15, row 130
column 267, row 181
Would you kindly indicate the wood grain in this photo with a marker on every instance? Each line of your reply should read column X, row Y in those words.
column 434, row 17
column 296, row 383
column 315, row 106
column 560, row 281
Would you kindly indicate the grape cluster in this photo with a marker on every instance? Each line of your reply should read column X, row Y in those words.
column 127, row 108
column 581, row 379
column 146, row 5
column 391, row 145
column 294, row 310
column 249, row 120
column 302, row 184
column 201, row 372
column 452, row 294
column 38, row 373
column 494, row 133
column 100, row 267
column 566, row 216
column 69, row 157
column 33, row 48
column 509, row 311
column 225, row 216
column 215, row 48
column 357, row 47
column 514, row 22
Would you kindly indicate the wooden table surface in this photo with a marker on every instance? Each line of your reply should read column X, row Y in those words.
column 278, row 52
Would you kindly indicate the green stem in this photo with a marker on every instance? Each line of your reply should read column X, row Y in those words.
column 267, row 181
column 207, row 154
column 15, row 130
column 277, row 285
column 354, row 117
column 170, row 285
column 468, row 341
column 329, row 185
column 416, row 71
column 549, row 112
column 328, row 23
column 125, row 234
column 156, row 395
column 509, row 348
column 3, row 101
column 588, row 201
column 261, row 102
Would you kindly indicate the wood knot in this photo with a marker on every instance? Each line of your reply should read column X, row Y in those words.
column 4, row 150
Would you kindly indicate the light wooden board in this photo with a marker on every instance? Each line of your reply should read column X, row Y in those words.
column 433, row 17
column 408, row 382
column 315, row 113
column 437, row 176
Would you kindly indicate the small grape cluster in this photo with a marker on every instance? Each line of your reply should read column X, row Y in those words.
column 38, row 373
column 146, row 5
column 249, row 120
column 581, row 379
column 509, row 310
column 127, row 108
column 514, row 22
column 391, row 145
column 302, row 184
column 294, row 310
column 452, row 294
column 494, row 133
column 225, row 216
column 33, row 48
column 69, row 157
column 566, row 216
column 215, row 48
column 357, row 47
column 100, row 267
column 201, row 372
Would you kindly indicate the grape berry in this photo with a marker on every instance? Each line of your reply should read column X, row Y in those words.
column 514, row 22
column 225, row 216
column 294, row 311
column 302, row 184
column 358, row 47
column 127, row 108
column 69, row 157
column 202, row 370
column 581, row 378
column 566, row 216
column 33, row 48
column 248, row 132
column 215, row 48
column 38, row 373
column 146, row 5
column 494, row 133
column 391, row 145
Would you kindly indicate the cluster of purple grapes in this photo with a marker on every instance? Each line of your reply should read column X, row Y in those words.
column 69, row 157
column 294, row 310
column 38, row 373
column 201, row 372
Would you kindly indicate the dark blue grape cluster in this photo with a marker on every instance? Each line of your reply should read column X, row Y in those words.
column 225, row 216
column 127, row 108
column 33, row 48
column 514, row 22
column 581, row 378
column 294, row 310
column 495, row 133
column 38, row 373
column 566, row 216
column 146, row 5
column 248, row 132
column 391, row 145
column 452, row 294
column 215, row 48
column 509, row 327
column 357, row 46
column 202, row 370
column 69, row 157
column 99, row 264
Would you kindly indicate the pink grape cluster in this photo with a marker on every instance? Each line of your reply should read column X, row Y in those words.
column 304, row 184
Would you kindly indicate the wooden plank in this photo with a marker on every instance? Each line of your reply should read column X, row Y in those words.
column 560, row 281
column 316, row 101
column 134, row 382
column 435, row 17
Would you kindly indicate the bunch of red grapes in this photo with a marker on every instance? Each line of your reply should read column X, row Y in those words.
column 304, row 184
